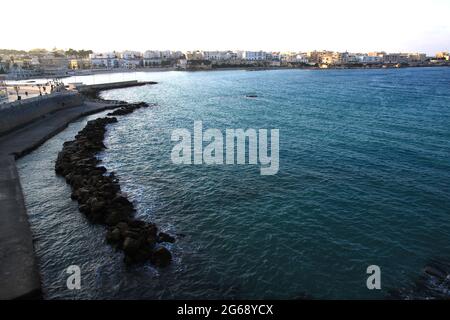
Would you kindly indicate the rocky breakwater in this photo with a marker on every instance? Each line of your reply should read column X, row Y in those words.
column 100, row 198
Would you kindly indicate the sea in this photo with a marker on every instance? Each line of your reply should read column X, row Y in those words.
column 363, row 180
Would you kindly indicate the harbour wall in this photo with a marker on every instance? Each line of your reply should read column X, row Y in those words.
column 20, row 113
column 94, row 89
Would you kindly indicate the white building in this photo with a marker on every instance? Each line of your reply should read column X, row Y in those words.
column 131, row 55
column 395, row 58
column 156, row 57
column 152, row 58
column 417, row 57
column 176, row 55
column 219, row 55
column 254, row 55
column 131, row 59
column 301, row 58
column 104, row 60
column 294, row 57
column 152, row 54
column 364, row 58
column 273, row 56
column 34, row 61
column 130, row 63
column 213, row 55
column 353, row 58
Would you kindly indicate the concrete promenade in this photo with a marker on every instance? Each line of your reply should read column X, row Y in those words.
column 93, row 90
column 19, row 273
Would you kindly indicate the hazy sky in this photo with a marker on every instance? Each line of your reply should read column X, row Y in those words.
column 102, row 25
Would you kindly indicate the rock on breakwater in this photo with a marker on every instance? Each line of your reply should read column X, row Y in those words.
column 127, row 109
column 100, row 198
column 433, row 283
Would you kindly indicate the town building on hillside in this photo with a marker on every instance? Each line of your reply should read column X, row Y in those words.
column 185, row 64
column 176, row 55
column 333, row 58
column 395, row 58
column 152, row 58
column 194, row 55
column 254, row 55
column 156, row 58
column 194, row 60
column 316, row 56
column 273, row 56
column 131, row 60
column 219, row 55
column 51, row 64
column 417, row 57
column 293, row 58
column 380, row 54
column 366, row 59
column 3, row 67
column 131, row 55
column 3, row 89
column 107, row 60
column 443, row 55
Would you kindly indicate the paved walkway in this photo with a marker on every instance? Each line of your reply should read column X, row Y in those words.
column 19, row 273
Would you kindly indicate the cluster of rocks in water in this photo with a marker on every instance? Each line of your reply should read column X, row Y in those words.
column 100, row 198
column 433, row 283
column 127, row 109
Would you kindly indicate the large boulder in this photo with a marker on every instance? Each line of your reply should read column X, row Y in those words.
column 114, row 217
column 130, row 246
column 164, row 237
column 113, row 236
column 161, row 257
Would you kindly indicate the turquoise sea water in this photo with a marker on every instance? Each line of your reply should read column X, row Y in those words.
column 364, row 179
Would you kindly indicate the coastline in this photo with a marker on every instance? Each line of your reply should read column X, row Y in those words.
column 250, row 68
column 94, row 72
column 20, row 277
column 19, row 272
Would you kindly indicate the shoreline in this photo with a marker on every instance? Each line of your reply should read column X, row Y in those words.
column 20, row 276
column 19, row 271
column 94, row 72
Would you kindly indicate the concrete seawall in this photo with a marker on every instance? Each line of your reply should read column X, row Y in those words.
column 94, row 89
column 17, row 114
column 19, row 276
